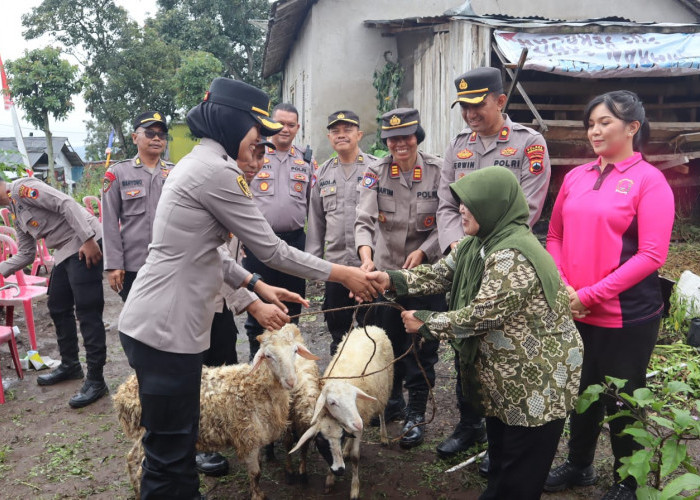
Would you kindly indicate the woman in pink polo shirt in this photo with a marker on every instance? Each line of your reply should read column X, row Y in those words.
column 609, row 234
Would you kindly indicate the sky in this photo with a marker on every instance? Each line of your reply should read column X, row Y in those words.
column 12, row 46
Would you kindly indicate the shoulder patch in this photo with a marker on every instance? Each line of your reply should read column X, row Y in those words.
column 535, row 154
column 369, row 180
column 108, row 180
column 27, row 192
column 244, row 186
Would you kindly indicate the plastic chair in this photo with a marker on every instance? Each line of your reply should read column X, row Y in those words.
column 90, row 202
column 6, row 216
column 7, row 335
column 5, row 254
column 43, row 258
column 26, row 294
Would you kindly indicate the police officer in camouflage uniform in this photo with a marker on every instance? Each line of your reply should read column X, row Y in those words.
column 130, row 194
column 396, row 228
column 281, row 192
column 332, row 214
column 490, row 138
column 75, row 288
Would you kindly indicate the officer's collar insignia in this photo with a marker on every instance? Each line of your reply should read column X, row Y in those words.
column 504, row 134
column 417, row 173
column 266, row 160
column 206, row 96
column 394, row 172
column 291, row 151
column 138, row 161
column 244, row 186
column 394, row 121
column 162, row 163
column 336, row 161
column 360, row 159
column 464, row 154
column 472, row 137
column 270, row 150
column 463, row 85
column 165, row 172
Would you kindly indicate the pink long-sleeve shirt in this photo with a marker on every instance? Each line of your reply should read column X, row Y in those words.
column 609, row 234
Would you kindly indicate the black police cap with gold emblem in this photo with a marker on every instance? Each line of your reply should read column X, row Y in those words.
column 149, row 118
column 402, row 121
column 473, row 86
column 238, row 95
column 343, row 116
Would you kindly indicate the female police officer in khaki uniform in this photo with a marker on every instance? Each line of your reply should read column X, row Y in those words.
column 164, row 326
column 398, row 201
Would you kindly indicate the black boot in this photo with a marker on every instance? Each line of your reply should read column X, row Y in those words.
column 91, row 391
column 65, row 371
column 413, row 429
column 212, row 464
column 462, row 438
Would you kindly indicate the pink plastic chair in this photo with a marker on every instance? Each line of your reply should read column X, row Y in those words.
column 5, row 254
column 27, row 293
column 90, row 202
column 43, row 258
column 6, row 216
column 7, row 335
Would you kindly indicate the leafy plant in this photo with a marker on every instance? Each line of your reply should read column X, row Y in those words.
column 388, row 82
column 663, row 469
column 678, row 321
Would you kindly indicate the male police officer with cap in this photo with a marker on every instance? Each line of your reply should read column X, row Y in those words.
column 490, row 138
column 281, row 192
column 130, row 194
column 75, row 288
column 332, row 213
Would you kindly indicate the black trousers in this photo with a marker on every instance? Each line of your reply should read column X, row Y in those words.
column 76, row 291
column 222, row 349
column 467, row 414
column 169, row 394
column 407, row 370
column 520, row 458
column 129, row 277
column 339, row 322
column 616, row 352
column 296, row 239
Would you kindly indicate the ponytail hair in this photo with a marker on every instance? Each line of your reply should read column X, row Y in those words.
column 626, row 106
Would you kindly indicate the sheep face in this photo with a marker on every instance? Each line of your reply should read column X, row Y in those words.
column 329, row 440
column 278, row 350
column 340, row 399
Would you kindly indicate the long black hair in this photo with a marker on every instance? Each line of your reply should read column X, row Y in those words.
column 626, row 106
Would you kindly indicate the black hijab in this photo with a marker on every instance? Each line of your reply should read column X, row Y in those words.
column 223, row 124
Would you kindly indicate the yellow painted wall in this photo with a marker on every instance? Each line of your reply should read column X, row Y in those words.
column 181, row 143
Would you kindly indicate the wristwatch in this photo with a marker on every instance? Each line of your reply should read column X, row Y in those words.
column 253, row 281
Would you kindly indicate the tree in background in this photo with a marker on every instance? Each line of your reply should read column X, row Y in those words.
column 197, row 70
column 229, row 29
column 43, row 85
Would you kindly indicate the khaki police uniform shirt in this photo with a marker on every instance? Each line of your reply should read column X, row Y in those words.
column 41, row 211
column 332, row 210
column 130, row 195
column 517, row 148
column 281, row 189
column 237, row 299
column 401, row 214
column 205, row 199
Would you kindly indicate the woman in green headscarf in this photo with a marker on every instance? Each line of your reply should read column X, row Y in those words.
column 509, row 319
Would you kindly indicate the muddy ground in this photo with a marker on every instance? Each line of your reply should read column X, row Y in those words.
column 48, row 450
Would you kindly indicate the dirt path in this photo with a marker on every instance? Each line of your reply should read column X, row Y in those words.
column 50, row 451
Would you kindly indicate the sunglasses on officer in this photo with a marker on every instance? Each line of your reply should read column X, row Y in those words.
column 151, row 133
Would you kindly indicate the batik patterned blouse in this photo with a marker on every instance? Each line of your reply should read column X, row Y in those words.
column 530, row 356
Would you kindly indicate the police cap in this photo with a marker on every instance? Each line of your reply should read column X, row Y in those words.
column 343, row 116
column 473, row 86
column 402, row 121
column 150, row 118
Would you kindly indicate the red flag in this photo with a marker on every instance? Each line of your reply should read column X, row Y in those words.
column 5, row 88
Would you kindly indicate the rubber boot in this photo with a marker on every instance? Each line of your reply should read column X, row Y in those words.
column 413, row 429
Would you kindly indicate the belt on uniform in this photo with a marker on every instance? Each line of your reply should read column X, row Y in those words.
column 288, row 235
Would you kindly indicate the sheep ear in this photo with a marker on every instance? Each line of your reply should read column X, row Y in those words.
column 305, row 353
column 257, row 360
column 310, row 432
column 320, row 403
column 363, row 395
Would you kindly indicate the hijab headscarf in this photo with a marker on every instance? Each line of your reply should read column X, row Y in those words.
column 226, row 125
column 497, row 202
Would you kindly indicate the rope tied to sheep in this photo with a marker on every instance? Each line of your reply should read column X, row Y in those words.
column 411, row 348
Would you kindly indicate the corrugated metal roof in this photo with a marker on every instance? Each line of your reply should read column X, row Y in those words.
column 286, row 18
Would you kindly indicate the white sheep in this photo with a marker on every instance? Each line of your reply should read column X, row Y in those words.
column 301, row 410
column 244, row 406
column 345, row 405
